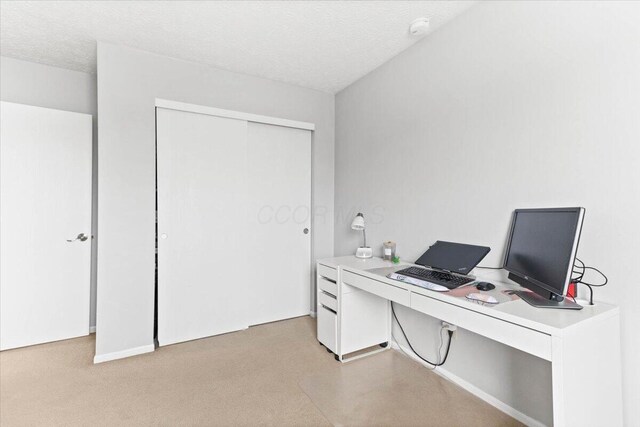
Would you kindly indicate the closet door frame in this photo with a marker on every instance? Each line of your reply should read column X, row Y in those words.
column 218, row 112
column 256, row 118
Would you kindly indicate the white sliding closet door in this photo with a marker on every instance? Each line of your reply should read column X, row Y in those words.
column 202, row 253
column 45, row 200
column 278, row 268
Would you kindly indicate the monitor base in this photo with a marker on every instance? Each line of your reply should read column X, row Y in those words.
column 541, row 302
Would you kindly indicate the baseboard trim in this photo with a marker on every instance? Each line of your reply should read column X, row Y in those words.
column 313, row 314
column 491, row 400
column 99, row 358
column 92, row 329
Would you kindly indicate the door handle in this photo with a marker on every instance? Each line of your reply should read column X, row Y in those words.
column 82, row 237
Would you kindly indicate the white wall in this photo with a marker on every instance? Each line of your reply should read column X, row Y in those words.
column 44, row 86
column 512, row 104
column 128, row 82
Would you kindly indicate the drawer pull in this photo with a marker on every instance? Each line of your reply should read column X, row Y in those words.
column 329, row 309
column 329, row 294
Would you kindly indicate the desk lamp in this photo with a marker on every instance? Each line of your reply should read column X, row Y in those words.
column 363, row 251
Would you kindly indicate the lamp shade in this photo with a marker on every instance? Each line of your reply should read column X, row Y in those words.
column 358, row 222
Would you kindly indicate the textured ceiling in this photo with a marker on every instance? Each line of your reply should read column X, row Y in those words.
column 324, row 45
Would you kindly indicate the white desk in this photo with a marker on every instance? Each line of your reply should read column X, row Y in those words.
column 583, row 346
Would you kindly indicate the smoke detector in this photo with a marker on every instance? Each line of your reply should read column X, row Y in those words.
column 419, row 27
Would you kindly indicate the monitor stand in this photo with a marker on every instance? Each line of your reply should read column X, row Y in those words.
column 539, row 301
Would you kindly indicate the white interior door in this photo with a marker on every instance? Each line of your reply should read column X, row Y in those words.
column 45, row 199
column 279, row 212
column 201, row 225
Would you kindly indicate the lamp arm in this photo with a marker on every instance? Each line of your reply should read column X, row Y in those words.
column 364, row 236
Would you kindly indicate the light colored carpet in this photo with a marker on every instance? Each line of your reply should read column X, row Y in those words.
column 273, row 374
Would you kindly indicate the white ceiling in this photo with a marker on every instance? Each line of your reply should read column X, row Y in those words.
column 323, row 45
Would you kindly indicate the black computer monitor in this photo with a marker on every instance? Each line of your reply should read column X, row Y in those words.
column 541, row 252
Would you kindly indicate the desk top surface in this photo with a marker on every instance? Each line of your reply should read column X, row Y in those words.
column 551, row 321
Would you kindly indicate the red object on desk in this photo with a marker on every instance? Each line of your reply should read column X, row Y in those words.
column 572, row 290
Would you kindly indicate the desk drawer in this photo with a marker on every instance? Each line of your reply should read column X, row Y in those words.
column 384, row 290
column 328, row 272
column 507, row 333
column 328, row 301
column 328, row 286
column 327, row 328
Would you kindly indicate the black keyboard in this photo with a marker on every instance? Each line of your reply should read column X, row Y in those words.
column 447, row 280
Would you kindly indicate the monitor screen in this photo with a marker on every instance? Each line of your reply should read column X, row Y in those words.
column 542, row 247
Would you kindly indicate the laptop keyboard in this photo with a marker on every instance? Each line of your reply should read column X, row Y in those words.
column 448, row 280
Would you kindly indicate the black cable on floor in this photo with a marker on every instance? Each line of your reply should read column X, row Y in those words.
column 411, row 347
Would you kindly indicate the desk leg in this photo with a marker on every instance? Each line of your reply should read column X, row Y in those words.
column 586, row 375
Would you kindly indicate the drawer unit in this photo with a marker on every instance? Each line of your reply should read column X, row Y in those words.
column 328, row 301
column 328, row 286
column 367, row 323
column 328, row 272
column 525, row 339
column 384, row 290
column 327, row 328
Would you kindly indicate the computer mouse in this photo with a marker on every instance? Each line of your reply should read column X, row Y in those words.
column 485, row 286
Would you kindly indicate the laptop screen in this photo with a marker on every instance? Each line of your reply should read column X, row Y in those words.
column 454, row 257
